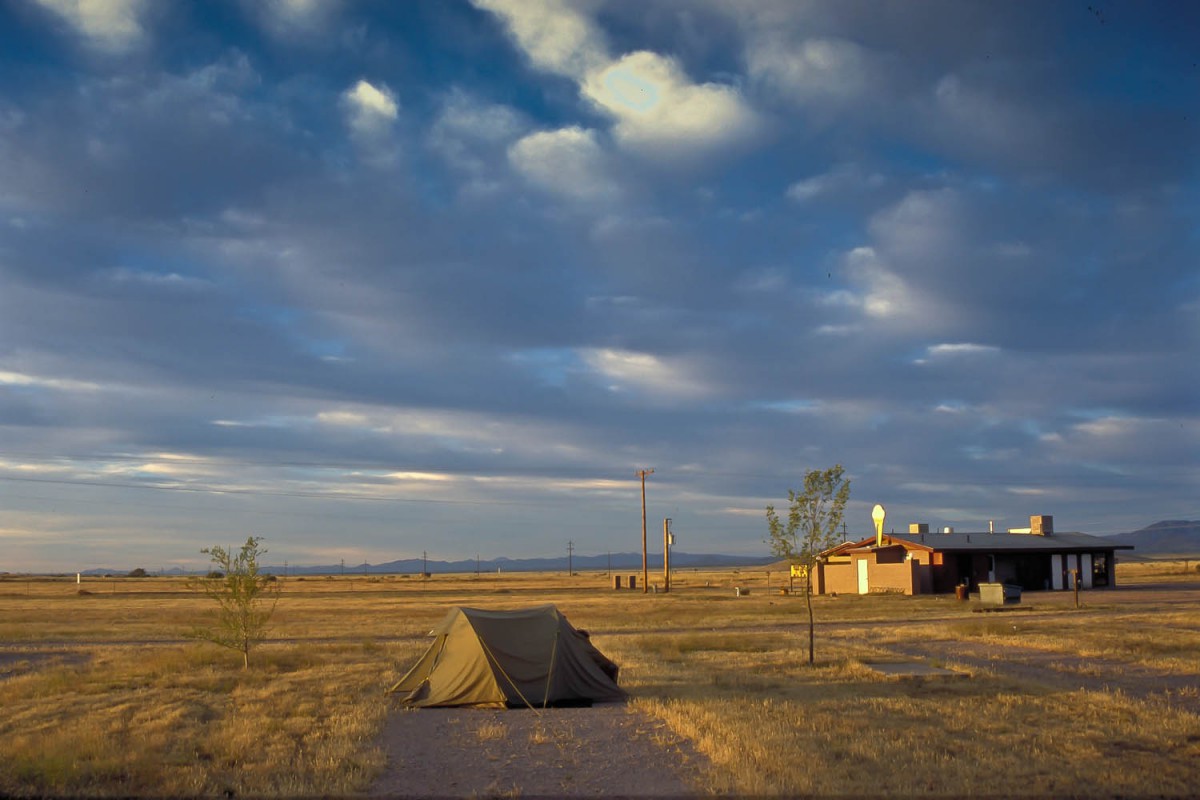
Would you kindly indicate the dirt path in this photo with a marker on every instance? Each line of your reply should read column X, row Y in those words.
column 609, row 750
column 1063, row 671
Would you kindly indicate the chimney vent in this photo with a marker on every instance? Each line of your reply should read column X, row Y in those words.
column 918, row 527
column 947, row 529
column 1041, row 525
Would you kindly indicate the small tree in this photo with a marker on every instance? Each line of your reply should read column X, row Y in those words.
column 812, row 522
column 246, row 597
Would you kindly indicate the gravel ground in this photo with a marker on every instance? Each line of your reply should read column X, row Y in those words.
column 609, row 750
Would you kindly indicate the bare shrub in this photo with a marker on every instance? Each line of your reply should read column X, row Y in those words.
column 246, row 598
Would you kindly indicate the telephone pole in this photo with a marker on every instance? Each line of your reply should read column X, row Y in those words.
column 668, row 538
column 570, row 552
column 642, row 473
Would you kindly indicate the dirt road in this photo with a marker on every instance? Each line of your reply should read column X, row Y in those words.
column 609, row 750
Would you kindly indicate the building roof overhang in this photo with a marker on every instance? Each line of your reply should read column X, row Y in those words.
column 1068, row 542
column 983, row 543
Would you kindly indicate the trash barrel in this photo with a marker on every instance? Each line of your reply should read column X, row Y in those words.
column 960, row 592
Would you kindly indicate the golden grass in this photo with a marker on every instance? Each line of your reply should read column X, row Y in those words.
column 188, row 721
column 103, row 696
column 489, row 731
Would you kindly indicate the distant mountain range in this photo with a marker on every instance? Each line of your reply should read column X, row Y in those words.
column 1165, row 538
column 1168, row 537
column 617, row 561
column 621, row 562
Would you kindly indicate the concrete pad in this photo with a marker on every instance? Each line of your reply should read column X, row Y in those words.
column 913, row 669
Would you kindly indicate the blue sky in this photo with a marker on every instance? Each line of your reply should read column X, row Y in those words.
column 372, row 279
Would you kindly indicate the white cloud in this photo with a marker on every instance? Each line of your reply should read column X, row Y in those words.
column 296, row 12
column 371, row 110
column 111, row 25
column 342, row 418
column 788, row 406
column 658, row 109
column 424, row 477
column 985, row 119
column 811, row 70
column 37, row 381
column 556, row 37
column 1026, row 491
column 838, row 330
column 293, row 20
column 923, row 226
column 463, row 117
column 158, row 280
column 624, row 370
column 371, row 113
column 1118, row 442
column 841, row 178
column 567, row 162
column 469, row 135
column 956, row 350
column 961, row 349
column 1110, row 427
column 885, row 295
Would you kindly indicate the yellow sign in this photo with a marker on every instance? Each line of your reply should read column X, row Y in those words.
column 878, row 514
column 799, row 570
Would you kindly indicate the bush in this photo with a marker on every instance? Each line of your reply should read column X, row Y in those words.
column 245, row 598
column 137, row 573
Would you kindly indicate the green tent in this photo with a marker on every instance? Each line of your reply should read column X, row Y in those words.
column 527, row 657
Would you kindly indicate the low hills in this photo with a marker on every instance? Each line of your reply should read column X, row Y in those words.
column 620, row 562
column 1168, row 537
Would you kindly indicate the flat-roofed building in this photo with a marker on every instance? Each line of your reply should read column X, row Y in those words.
column 920, row 562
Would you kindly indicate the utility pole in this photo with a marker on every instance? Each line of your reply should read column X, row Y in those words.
column 570, row 552
column 642, row 473
column 667, row 554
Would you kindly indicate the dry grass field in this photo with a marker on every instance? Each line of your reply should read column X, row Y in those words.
column 103, row 694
